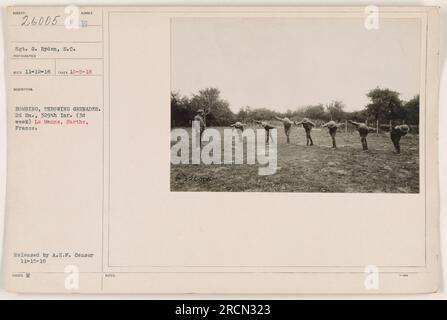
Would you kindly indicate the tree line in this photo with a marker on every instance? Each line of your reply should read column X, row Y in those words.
column 385, row 105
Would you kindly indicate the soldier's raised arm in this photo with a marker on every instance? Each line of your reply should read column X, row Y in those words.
column 354, row 123
column 278, row 118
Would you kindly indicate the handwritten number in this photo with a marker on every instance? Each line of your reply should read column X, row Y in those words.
column 55, row 19
column 40, row 21
column 25, row 21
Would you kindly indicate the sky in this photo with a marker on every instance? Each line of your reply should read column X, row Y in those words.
column 284, row 64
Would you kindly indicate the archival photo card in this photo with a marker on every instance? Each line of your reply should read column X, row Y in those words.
column 222, row 150
column 295, row 105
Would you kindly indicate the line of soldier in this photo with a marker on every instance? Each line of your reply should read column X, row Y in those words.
column 396, row 133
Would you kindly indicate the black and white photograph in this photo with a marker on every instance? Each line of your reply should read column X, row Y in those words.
column 305, row 156
column 295, row 105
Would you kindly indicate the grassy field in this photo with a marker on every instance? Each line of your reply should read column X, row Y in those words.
column 318, row 168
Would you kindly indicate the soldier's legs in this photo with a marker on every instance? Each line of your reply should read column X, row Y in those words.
column 364, row 143
column 363, row 134
column 398, row 145
column 332, row 132
column 334, row 144
column 309, row 137
column 200, row 137
column 287, row 131
column 396, row 142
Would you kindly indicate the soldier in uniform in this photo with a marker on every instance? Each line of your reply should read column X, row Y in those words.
column 238, row 125
column 287, row 126
column 398, row 132
column 307, row 125
column 332, row 126
column 363, row 130
column 267, row 127
column 201, row 118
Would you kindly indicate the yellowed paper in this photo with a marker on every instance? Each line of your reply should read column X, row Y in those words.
column 96, row 202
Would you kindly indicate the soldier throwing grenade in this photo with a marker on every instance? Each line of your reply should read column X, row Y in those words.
column 398, row 132
column 287, row 126
column 267, row 127
column 363, row 130
column 307, row 125
column 332, row 126
column 239, row 126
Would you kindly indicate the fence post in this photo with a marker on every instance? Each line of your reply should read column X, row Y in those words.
column 346, row 126
column 377, row 126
